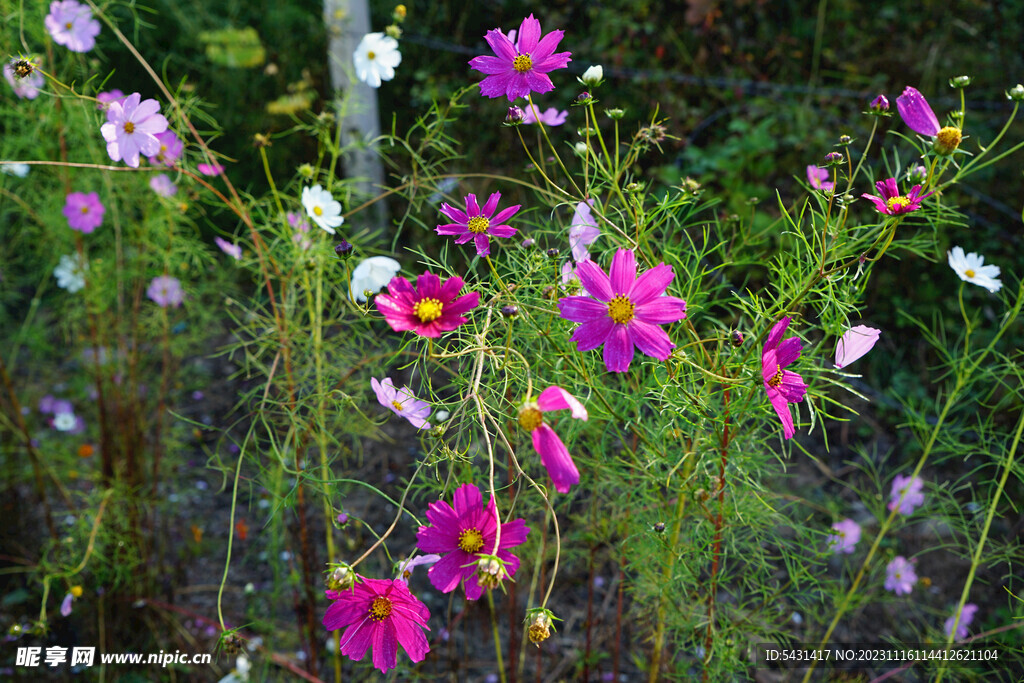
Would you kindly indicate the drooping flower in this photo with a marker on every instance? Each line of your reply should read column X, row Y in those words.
column 382, row 613
column 84, row 211
column 521, row 67
column 818, row 178
column 131, row 129
column 854, row 343
column 919, row 117
column 72, row 25
column 372, row 274
column 375, row 59
column 625, row 311
column 844, row 536
column 70, row 273
column 583, row 231
column 428, row 309
column 229, row 248
column 401, row 402
column 163, row 185
column 549, row 117
column 783, row 386
column 553, row 453
column 966, row 617
column 322, row 208
column 907, row 492
column 971, row 268
column 166, row 291
column 478, row 224
column 892, row 203
column 406, row 566
column 900, row 576
column 28, row 86
column 464, row 533
column 170, row 150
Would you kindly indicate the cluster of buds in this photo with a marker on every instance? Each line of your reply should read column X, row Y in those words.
column 341, row 578
column 397, row 16
column 539, row 624
column 490, row 571
column 833, row 159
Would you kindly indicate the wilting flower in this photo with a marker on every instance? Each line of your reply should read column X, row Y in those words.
column 892, row 203
column 478, row 224
column 854, row 343
column 165, row 291
column 907, row 492
column 163, row 185
column 553, row 453
column 70, row 273
column 521, row 67
column 382, row 613
column 919, row 117
column 783, row 386
column 464, row 533
column 26, row 87
column 375, row 59
column 401, row 402
column 966, row 617
column 971, row 268
column 900, row 576
column 818, row 178
column 232, row 250
column 428, row 309
column 170, row 150
column 72, row 25
column 322, row 208
column 84, row 211
column 405, row 567
column 549, row 117
column 131, row 129
column 372, row 274
column 844, row 536
column 583, row 231
column 625, row 311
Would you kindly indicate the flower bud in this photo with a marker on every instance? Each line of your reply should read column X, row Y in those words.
column 259, row 141
column 342, row 578
column 509, row 311
column 880, row 105
column 306, row 171
column 947, row 140
column 593, row 76
column 393, row 31
column 1016, row 93
column 538, row 622
column 845, row 140
column 959, row 81
column 580, row 149
column 659, row 528
column 514, row 117
column 489, row 572
column 23, row 68
column 917, row 175
column 343, row 249
column 833, row 159
column 736, row 337
column 552, row 252
column 527, row 243
column 583, row 98
column 615, row 113
column 690, row 185
column 399, row 13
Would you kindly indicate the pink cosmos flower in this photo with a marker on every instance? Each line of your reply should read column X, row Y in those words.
column 163, row 185
column 553, row 453
column 428, row 309
column 84, row 211
column 71, row 24
column 583, row 231
column 625, row 311
column 106, row 98
column 892, row 203
column 166, row 291
column 844, row 536
column 818, row 178
column 462, row 535
column 900, row 576
column 170, row 150
column 907, row 492
column 783, row 386
column 232, row 250
column 132, row 127
column 382, row 613
column 476, row 223
column 401, row 402
column 966, row 617
column 521, row 67
column 549, row 117
column 854, row 343
column 26, row 88
column 917, row 113
column 210, row 169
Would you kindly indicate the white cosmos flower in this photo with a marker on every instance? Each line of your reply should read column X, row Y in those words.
column 64, row 422
column 971, row 268
column 372, row 274
column 322, row 208
column 376, row 58
column 20, row 170
column 70, row 273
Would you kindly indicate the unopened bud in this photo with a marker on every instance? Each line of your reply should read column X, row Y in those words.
column 583, row 98
column 880, row 104
column 659, row 528
column 615, row 113
column 581, row 149
column 833, row 159
column 527, row 243
column 634, row 188
column 593, row 76
column 736, row 338
column 399, row 13
column 552, row 252
column 343, row 249
column 959, row 81
column 306, row 171
column 917, row 175
column 393, row 31
column 844, row 140
column 1016, row 93
column 489, row 572
column 514, row 117
column 509, row 311
column 342, row 578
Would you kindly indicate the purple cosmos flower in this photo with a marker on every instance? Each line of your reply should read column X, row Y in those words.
column 583, row 231
column 907, row 492
column 916, row 112
column 477, row 224
column 966, row 617
column 105, row 98
column 549, row 117
column 783, row 386
column 900, row 576
column 854, row 343
column 462, row 534
column 401, row 402
column 65, row 605
column 26, row 87
column 84, row 211
column 46, row 404
column 521, row 67
column 232, row 250
column 165, row 291
column 71, row 24
column 818, row 178
column 170, row 150
column 163, row 185
column 382, row 613
column 428, row 309
column 892, row 203
column 131, row 129
column 553, row 453
column 625, row 311
column 844, row 536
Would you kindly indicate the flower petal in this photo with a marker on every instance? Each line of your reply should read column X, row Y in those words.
column 555, row 458
column 650, row 339
column 581, row 309
column 557, row 398
column 618, row 349
column 594, row 280
column 623, row 271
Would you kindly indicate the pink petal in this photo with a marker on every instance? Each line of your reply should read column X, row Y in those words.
column 594, row 280
column 464, row 303
column 559, row 60
column 498, row 85
column 788, row 351
column 468, row 500
column 623, row 271
column 385, row 646
column 661, row 311
column 650, row 339
column 775, row 336
column 514, row 533
column 505, row 214
column 503, row 231
column 792, row 388
column 528, row 35
column 343, row 613
column 483, row 245
column 557, row 398
column 428, row 286
column 781, row 407
column 581, row 309
column 451, row 229
column 472, row 208
column 592, row 334
column 537, row 82
column 555, row 458
column 454, row 214
column 411, row 637
column 651, row 284
column 916, row 112
column 618, row 349
column 356, row 639
column 486, row 64
column 546, row 46
column 854, row 343
column 491, row 205
column 501, row 45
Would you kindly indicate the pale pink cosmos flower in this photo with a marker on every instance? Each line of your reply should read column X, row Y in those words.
column 26, row 88
column 401, row 402
column 900, row 576
column 405, row 567
column 478, row 224
column 170, row 150
column 428, row 309
column 553, row 453
column 583, row 231
column 854, row 343
column 163, row 185
column 844, row 536
column 782, row 386
column 966, row 617
column 72, row 25
column 105, row 98
column 229, row 248
column 166, row 291
column 907, row 492
column 549, row 117
column 520, row 67
column 131, row 129
column 818, row 178
column 84, row 211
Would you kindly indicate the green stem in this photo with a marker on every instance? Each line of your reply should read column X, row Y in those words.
column 497, row 637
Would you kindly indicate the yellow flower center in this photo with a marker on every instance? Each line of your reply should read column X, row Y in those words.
column 397, row 405
column 530, row 417
column 371, row 55
column 380, row 609
column 68, row 26
column 85, row 210
column 471, row 540
column 969, row 273
column 76, row 591
column 621, row 309
column 776, row 379
column 318, row 211
column 427, row 310
column 900, row 201
column 522, row 63
column 478, row 224
column 129, row 127
column 947, row 140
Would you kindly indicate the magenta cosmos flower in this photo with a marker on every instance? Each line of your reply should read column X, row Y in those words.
column 625, row 310
column 783, row 386
column 478, row 224
column 844, row 536
column 166, row 291
column 907, row 493
column 428, row 309
column 553, row 453
column 900, row 576
column 892, row 203
column 818, row 178
column 854, row 343
column 84, row 211
column 72, row 25
column 549, row 117
column 522, row 67
column 132, row 128
column 401, row 402
column 379, row 612
column 463, row 535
